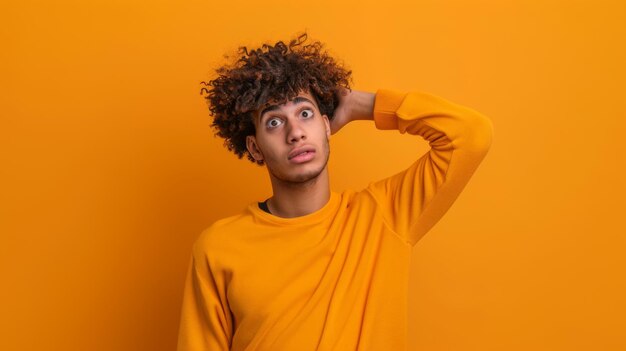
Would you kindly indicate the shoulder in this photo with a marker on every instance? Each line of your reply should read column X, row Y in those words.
column 218, row 236
column 359, row 199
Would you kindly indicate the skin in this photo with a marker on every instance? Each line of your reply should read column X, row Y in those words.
column 300, row 189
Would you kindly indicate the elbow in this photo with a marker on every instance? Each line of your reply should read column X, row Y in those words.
column 481, row 135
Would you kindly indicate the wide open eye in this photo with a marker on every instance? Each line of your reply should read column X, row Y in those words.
column 274, row 122
column 307, row 113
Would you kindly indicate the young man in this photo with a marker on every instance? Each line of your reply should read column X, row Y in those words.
column 310, row 268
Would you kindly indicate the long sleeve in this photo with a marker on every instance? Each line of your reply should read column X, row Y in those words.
column 206, row 321
column 416, row 198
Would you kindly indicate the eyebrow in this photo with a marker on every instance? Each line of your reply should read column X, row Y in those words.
column 296, row 100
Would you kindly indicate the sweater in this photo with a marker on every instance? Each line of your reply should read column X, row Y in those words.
column 337, row 278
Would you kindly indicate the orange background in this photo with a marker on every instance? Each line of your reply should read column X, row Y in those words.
column 109, row 169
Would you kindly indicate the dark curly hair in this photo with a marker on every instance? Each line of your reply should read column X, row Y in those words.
column 273, row 72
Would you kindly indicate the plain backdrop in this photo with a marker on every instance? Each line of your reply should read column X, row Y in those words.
column 109, row 169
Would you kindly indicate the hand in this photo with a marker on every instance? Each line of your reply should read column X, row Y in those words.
column 353, row 105
column 342, row 114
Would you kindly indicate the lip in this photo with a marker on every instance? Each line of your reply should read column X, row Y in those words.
column 296, row 154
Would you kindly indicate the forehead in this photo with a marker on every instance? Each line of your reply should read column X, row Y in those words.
column 271, row 105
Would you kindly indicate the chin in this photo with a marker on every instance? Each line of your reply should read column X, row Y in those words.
column 306, row 175
column 304, row 178
column 309, row 173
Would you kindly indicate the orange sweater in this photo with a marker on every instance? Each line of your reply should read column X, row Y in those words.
column 335, row 279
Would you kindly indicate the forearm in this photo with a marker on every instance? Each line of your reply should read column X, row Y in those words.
column 444, row 124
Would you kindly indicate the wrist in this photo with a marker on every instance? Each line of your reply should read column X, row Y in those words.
column 361, row 105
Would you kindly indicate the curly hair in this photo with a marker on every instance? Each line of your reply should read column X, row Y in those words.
column 271, row 73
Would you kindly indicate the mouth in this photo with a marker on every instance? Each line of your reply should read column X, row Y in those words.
column 302, row 156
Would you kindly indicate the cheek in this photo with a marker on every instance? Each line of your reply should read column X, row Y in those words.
column 322, row 131
column 267, row 146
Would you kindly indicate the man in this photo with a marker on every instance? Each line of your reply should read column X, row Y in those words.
column 310, row 268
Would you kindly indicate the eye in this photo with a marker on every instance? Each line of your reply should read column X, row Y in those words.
column 273, row 122
column 307, row 113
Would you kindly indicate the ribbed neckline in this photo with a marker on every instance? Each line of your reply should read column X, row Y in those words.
column 314, row 217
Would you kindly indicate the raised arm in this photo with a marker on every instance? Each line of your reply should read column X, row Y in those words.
column 415, row 199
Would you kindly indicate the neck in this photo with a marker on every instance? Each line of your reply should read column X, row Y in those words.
column 299, row 199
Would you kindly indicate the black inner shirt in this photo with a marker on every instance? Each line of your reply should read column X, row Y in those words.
column 263, row 206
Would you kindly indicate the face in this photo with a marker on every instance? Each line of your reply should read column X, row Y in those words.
column 292, row 139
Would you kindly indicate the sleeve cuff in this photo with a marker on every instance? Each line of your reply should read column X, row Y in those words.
column 386, row 104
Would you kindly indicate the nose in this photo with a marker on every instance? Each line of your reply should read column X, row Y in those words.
column 295, row 131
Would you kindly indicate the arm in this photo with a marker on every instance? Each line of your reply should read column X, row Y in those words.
column 415, row 199
column 353, row 105
column 206, row 321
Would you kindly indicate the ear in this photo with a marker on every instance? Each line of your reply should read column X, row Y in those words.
column 327, row 122
column 253, row 148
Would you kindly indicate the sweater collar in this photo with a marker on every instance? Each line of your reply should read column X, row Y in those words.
column 311, row 218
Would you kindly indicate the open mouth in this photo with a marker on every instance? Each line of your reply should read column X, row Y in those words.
column 303, row 157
